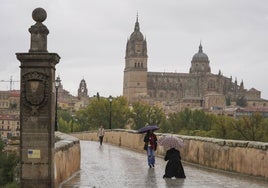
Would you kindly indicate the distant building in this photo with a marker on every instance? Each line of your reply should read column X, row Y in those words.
column 9, row 113
column 10, row 107
column 240, row 112
column 10, row 102
column 72, row 103
column 198, row 89
column 9, row 125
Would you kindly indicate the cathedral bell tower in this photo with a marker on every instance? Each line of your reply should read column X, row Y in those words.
column 82, row 90
column 135, row 72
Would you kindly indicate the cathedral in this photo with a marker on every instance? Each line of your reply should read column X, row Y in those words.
column 200, row 88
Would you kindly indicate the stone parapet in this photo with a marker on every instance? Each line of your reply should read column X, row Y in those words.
column 245, row 157
column 67, row 157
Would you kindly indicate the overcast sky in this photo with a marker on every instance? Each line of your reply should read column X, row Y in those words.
column 90, row 36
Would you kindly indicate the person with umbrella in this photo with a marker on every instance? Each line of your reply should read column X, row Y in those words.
column 174, row 166
column 150, row 140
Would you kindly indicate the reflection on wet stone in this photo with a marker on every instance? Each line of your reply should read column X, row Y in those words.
column 115, row 167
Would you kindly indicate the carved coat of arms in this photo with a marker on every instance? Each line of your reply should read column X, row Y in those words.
column 34, row 87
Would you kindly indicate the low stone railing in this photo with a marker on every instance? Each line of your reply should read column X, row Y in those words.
column 67, row 157
column 245, row 157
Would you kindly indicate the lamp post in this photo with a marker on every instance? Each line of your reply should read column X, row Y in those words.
column 110, row 120
column 57, row 85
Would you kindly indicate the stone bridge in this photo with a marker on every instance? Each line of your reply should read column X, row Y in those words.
column 243, row 157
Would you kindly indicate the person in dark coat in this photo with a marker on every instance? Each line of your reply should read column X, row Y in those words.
column 150, row 141
column 174, row 166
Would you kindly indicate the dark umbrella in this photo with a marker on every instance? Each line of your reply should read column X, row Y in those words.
column 148, row 128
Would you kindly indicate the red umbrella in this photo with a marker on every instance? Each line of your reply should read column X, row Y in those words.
column 170, row 141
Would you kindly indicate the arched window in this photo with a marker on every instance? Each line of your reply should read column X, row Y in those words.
column 211, row 84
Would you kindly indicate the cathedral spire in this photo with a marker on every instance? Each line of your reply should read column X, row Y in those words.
column 137, row 25
column 200, row 48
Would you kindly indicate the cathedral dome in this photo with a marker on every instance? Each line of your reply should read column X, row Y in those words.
column 136, row 36
column 200, row 56
column 200, row 62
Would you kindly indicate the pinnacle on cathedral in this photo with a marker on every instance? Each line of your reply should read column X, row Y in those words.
column 136, row 44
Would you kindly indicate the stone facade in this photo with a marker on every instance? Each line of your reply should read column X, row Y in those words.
column 9, row 125
column 67, row 157
column 9, row 113
column 37, row 108
column 197, row 89
column 135, row 72
column 10, row 102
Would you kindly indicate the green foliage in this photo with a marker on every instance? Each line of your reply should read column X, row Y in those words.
column 199, row 123
column 139, row 115
column 165, row 126
column 186, row 122
column 11, row 185
column 190, row 120
column 202, row 121
column 252, row 127
column 222, row 128
column 98, row 112
column 67, row 122
column 185, row 119
column 2, row 144
column 144, row 114
column 176, row 124
column 8, row 163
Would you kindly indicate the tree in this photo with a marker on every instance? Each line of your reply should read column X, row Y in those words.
column 174, row 123
column 144, row 114
column 98, row 112
column 190, row 122
column 201, row 120
column 120, row 112
column 9, row 161
column 222, row 127
column 252, row 127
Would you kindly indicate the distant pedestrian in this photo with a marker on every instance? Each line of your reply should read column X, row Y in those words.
column 174, row 166
column 101, row 133
column 150, row 145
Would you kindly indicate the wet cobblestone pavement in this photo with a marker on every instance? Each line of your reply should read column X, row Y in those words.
column 109, row 166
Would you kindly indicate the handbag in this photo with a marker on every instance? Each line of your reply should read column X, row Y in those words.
column 145, row 147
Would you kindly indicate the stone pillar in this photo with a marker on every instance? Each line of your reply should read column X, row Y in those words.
column 37, row 108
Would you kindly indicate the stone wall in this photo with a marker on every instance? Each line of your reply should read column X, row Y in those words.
column 245, row 157
column 67, row 157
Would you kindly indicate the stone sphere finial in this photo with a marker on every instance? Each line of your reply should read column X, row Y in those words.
column 39, row 15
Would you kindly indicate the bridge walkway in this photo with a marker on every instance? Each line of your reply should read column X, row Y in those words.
column 109, row 166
